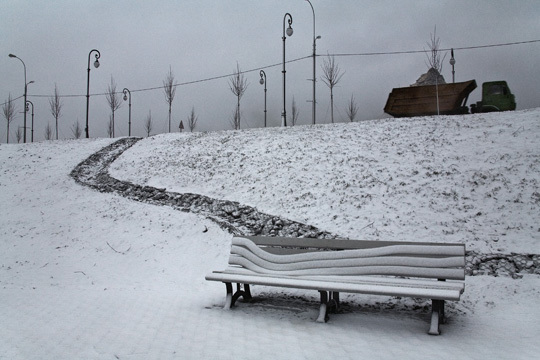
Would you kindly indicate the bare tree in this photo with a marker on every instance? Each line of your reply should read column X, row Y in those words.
column 352, row 109
column 48, row 132
column 235, row 119
column 115, row 101
column 238, row 85
column 434, row 60
column 8, row 110
column 148, row 123
column 110, row 126
column 76, row 130
column 331, row 76
column 170, row 91
column 295, row 112
column 56, row 107
column 18, row 134
column 192, row 120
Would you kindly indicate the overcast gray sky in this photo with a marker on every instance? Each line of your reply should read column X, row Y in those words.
column 201, row 39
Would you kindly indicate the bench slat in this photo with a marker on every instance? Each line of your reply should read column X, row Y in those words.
column 360, row 279
column 433, row 273
column 337, row 244
column 375, row 289
column 338, row 259
column 412, row 250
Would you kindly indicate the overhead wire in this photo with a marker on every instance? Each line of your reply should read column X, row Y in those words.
column 427, row 51
column 291, row 61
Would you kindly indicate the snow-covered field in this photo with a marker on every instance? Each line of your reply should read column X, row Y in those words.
column 89, row 275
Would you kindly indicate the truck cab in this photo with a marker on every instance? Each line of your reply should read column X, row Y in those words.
column 496, row 96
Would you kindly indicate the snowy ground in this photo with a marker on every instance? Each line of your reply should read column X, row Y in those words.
column 93, row 275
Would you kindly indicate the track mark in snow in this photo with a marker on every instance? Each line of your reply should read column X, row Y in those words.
column 232, row 216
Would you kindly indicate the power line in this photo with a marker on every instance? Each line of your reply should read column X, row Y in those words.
column 188, row 82
column 427, row 51
column 17, row 98
column 299, row 59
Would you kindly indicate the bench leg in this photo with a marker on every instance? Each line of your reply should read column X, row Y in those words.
column 333, row 303
column 247, row 293
column 228, row 298
column 437, row 317
column 231, row 298
column 323, row 314
column 442, row 317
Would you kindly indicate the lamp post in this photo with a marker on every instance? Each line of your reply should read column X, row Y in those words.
column 289, row 33
column 25, row 92
column 263, row 82
column 453, row 62
column 96, row 65
column 126, row 92
column 26, row 109
column 314, row 105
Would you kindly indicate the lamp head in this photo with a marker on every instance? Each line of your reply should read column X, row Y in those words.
column 12, row 56
column 261, row 81
column 318, row 37
column 289, row 31
column 96, row 63
column 125, row 97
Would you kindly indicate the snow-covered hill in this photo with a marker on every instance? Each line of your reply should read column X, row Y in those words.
column 467, row 178
column 93, row 275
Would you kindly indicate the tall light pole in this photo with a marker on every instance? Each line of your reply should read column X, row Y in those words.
column 314, row 105
column 263, row 82
column 289, row 33
column 453, row 62
column 26, row 109
column 126, row 92
column 25, row 92
column 96, row 65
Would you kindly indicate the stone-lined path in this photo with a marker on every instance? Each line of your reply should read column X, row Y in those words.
column 245, row 220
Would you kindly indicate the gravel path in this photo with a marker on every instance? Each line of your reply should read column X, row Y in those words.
column 245, row 220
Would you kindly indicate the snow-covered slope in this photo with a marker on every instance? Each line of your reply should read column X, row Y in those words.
column 92, row 275
column 471, row 178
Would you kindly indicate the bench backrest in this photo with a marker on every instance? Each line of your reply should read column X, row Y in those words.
column 330, row 257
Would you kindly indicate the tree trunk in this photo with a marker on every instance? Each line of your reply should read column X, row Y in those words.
column 332, row 104
column 238, row 123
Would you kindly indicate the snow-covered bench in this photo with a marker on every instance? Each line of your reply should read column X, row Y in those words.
column 405, row 269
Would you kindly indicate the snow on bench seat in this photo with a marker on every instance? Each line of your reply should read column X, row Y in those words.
column 410, row 269
column 335, row 284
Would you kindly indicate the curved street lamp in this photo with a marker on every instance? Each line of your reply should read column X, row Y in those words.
column 315, row 38
column 126, row 92
column 96, row 65
column 25, row 92
column 25, row 110
column 263, row 82
column 289, row 33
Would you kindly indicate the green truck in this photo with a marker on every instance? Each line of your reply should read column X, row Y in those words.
column 496, row 96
